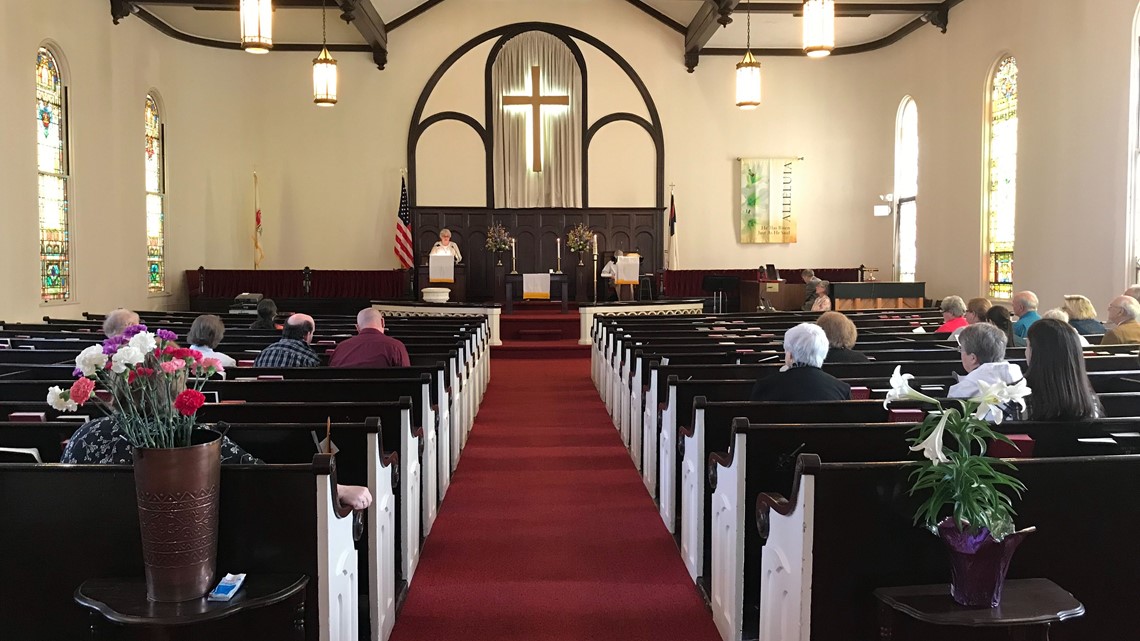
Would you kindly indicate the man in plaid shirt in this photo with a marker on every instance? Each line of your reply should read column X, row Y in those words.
column 293, row 349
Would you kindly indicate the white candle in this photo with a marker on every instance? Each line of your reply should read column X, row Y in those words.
column 558, row 245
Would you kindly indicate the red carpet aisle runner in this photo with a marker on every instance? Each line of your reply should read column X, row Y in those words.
column 547, row 532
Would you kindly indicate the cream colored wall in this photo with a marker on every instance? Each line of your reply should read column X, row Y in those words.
column 330, row 178
column 1074, row 79
column 110, row 69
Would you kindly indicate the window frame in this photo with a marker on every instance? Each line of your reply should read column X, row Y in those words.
column 67, row 177
column 987, row 176
column 153, row 95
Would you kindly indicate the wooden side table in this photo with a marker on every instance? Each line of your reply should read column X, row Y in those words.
column 927, row 612
column 270, row 606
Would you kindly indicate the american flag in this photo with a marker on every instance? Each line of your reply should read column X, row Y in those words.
column 403, row 246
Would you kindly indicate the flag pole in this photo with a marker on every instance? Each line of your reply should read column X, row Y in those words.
column 256, row 223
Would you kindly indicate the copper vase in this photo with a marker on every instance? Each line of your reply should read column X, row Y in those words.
column 177, row 492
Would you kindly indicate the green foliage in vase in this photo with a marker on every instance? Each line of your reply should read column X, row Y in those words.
column 497, row 238
column 961, row 481
column 579, row 238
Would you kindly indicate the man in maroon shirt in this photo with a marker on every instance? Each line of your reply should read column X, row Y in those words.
column 370, row 347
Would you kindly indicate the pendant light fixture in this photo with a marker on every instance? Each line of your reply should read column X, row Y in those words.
column 819, row 27
column 324, row 69
column 257, row 25
column 748, row 73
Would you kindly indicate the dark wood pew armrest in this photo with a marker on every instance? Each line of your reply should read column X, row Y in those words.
column 725, row 459
column 771, row 502
column 325, row 464
column 392, row 461
column 418, row 432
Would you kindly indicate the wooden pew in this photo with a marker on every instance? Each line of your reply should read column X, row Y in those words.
column 71, row 523
column 846, row 529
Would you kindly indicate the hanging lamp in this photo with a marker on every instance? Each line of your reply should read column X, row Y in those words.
column 819, row 27
column 748, row 73
column 324, row 69
column 257, row 25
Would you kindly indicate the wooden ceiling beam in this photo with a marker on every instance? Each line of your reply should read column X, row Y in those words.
column 843, row 8
column 712, row 15
column 362, row 15
column 225, row 5
column 658, row 16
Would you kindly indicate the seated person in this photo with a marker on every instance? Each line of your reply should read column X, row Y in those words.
column 801, row 379
column 609, row 273
column 1060, row 314
column 266, row 315
column 1082, row 315
column 999, row 317
column 1133, row 291
column 1025, row 306
column 293, row 349
column 445, row 246
column 809, row 289
column 205, row 333
column 953, row 313
column 976, row 309
column 822, row 300
column 99, row 441
column 1122, row 315
column 371, row 347
column 117, row 321
column 983, row 357
column 841, row 335
column 1061, row 388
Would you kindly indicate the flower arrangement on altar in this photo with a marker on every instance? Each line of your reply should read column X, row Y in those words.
column 498, row 239
column 156, row 385
column 579, row 238
column 958, row 475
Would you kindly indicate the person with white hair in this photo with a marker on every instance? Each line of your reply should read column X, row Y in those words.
column 445, row 246
column 1060, row 314
column 1122, row 314
column 118, row 321
column 371, row 347
column 983, row 357
column 953, row 314
column 1133, row 291
column 801, row 378
column 1025, row 307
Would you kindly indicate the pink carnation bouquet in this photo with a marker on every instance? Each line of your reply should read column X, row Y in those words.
column 156, row 385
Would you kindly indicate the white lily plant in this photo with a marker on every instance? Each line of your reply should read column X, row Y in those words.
column 955, row 470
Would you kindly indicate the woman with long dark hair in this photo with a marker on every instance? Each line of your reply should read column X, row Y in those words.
column 1061, row 388
column 1000, row 316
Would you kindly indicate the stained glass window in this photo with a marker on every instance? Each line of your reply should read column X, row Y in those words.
column 52, row 162
column 155, row 197
column 906, row 191
column 1002, row 178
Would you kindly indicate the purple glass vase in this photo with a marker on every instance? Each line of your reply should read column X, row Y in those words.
column 978, row 563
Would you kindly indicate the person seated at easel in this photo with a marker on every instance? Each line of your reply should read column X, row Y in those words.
column 624, row 290
column 609, row 272
column 445, row 246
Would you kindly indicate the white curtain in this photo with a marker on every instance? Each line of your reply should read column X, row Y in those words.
column 559, row 184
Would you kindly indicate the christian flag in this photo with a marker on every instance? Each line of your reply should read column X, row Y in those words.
column 403, row 246
column 674, row 257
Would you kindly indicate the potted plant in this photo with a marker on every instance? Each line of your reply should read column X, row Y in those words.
column 498, row 240
column 154, row 389
column 956, row 474
column 578, row 240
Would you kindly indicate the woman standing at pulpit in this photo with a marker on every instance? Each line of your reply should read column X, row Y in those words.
column 445, row 246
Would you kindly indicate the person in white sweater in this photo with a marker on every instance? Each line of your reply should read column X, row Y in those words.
column 983, row 356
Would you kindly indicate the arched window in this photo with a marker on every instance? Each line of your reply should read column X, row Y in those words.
column 52, row 160
column 155, row 199
column 906, row 190
column 1001, row 178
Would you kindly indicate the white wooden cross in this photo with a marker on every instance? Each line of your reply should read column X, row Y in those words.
column 535, row 101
